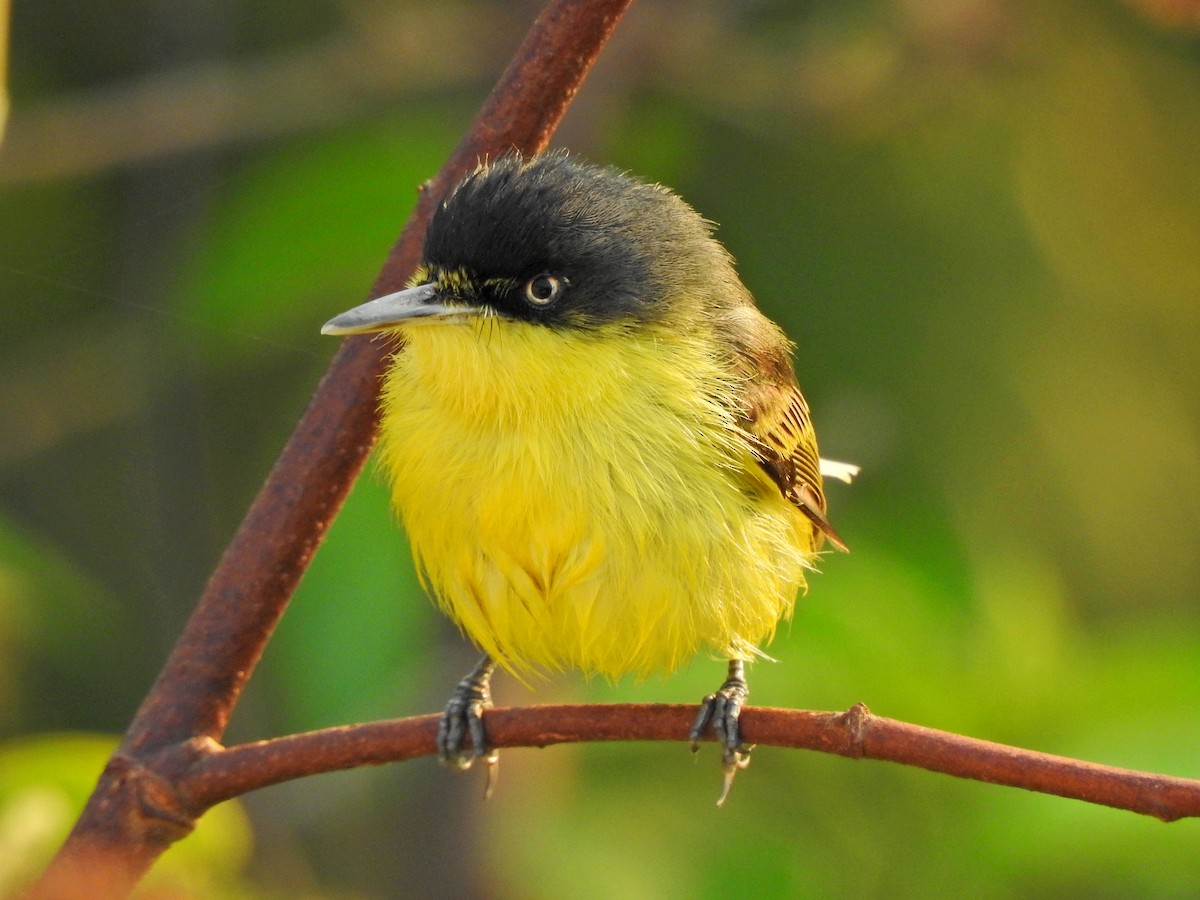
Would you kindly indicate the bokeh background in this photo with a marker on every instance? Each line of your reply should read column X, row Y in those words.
column 979, row 219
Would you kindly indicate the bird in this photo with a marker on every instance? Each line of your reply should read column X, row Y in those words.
column 594, row 438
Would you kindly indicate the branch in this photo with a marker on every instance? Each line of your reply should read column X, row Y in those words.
column 128, row 820
column 221, row 774
column 372, row 61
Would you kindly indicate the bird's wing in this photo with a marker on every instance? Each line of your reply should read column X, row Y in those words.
column 779, row 428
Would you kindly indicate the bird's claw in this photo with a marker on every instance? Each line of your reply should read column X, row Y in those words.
column 462, row 720
column 720, row 711
column 732, row 762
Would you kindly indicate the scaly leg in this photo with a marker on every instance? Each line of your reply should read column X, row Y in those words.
column 463, row 718
column 721, row 710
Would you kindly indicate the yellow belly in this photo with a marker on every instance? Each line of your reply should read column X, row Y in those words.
column 587, row 503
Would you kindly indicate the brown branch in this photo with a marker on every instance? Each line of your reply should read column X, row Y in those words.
column 222, row 774
column 182, row 781
column 121, row 831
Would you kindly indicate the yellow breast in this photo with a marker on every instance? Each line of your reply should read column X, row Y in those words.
column 580, row 499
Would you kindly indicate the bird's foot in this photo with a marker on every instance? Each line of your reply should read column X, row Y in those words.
column 720, row 711
column 463, row 720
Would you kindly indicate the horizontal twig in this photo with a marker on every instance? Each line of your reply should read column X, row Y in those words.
column 225, row 773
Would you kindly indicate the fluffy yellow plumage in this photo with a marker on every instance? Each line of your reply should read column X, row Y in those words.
column 591, row 523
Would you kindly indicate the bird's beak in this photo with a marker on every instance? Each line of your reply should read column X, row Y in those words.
column 381, row 313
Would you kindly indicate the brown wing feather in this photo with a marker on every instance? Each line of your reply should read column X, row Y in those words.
column 775, row 419
column 779, row 427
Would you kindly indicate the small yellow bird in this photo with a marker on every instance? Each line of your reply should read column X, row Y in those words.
column 595, row 440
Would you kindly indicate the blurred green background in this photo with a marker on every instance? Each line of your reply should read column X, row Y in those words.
column 979, row 219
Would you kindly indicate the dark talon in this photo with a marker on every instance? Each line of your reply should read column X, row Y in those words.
column 721, row 710
column 463, row 718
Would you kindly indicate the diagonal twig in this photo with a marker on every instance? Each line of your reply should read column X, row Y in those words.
column 135, row 812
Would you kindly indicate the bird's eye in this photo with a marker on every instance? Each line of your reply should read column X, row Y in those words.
column 544, row 289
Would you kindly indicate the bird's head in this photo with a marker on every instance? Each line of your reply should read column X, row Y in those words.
column 551, row 241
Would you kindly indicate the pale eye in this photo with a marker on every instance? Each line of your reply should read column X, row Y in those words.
column 544, row 289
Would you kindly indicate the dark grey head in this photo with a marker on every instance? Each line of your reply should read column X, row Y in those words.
column 561, row 243
column 552, row 240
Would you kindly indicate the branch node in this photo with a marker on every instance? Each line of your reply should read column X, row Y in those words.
column 165, row 818
column 853, row 723
column 166, row 810
column 145, row 802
